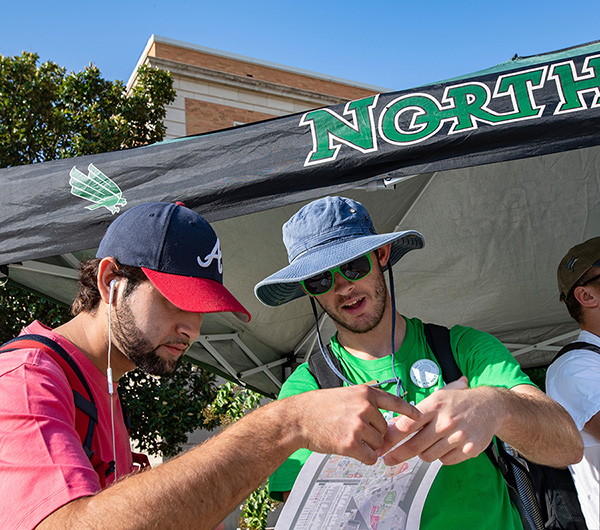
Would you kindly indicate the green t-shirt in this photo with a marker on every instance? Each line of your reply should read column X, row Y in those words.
column 471, row 494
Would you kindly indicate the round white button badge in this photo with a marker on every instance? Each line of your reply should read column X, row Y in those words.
column 424, row 373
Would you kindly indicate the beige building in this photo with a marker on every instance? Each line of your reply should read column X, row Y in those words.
column 218, row 90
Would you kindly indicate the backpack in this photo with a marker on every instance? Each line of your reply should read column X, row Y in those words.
column 576, row 346
column 544, row 496
column 86, row 412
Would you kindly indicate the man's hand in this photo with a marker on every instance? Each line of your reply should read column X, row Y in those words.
column 346, row 421
column 457, row 424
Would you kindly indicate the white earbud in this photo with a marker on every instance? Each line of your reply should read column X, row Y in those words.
column 112, row 290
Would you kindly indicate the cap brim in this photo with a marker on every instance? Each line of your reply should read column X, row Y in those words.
column 283, row 286
column 196, row 295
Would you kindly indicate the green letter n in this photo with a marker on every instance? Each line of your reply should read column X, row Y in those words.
column 329, row 130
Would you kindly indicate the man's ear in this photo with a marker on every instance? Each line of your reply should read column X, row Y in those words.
column 587, row 296
column 106, row 274
column 383, row 254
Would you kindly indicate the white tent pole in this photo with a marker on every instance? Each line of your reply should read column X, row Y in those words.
column 256, row 360
column 45, row 268
column 71, row 260
column 204, row 340
column 542, row 345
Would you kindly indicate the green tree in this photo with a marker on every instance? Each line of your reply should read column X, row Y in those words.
column 256, row 509
column 231, row 403
column 19, row 307
column 537, row 376
column 165, row 410
column 46, row 113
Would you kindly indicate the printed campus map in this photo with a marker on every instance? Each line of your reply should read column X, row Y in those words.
column 339, row 493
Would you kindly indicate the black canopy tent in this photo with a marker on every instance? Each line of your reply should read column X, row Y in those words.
column 497, row 169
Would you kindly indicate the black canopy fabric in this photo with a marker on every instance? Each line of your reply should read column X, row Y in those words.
column 497, row 137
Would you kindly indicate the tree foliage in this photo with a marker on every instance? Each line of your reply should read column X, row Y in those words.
column 537, row 376
column 165, row 410
column 18, row 308
column 231, row 404
column 256, row 509
column 47, row 113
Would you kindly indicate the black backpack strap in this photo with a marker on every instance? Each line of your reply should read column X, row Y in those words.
column 49, row 343
column 438, row 338
column 320, row 370
column 576, row 346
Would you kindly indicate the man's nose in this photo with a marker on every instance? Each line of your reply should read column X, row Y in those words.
column 341, row 284
column 190, row 324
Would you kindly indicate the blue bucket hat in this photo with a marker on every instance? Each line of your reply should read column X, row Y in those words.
column 323, row 235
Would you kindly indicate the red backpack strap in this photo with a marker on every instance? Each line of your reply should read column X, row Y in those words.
column 141, row 461
column 86, row 412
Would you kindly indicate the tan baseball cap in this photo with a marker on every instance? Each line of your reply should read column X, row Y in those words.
column 576, row 263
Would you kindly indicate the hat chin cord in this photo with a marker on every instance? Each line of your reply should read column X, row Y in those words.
column 323, row 349
column 400, row 391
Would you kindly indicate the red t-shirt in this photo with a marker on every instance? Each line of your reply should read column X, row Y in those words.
column 42, row 462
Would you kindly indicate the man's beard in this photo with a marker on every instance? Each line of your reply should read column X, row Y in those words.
column 378, row 311
column 136, row 347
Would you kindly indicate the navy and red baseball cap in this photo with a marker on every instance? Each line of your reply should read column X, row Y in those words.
column 178, row 251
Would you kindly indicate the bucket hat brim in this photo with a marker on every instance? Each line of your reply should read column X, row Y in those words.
column 283, row 286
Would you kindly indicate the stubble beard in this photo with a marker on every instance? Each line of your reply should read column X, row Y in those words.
column 137, row 348
column 380, row 297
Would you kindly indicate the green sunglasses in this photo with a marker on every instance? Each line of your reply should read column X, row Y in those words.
column 353, row 270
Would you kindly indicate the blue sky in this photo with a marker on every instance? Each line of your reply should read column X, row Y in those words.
column 390, row 44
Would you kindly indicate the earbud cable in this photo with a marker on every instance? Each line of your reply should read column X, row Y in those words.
column 109, row 379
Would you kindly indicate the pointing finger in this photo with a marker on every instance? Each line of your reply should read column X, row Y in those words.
column 387, row 401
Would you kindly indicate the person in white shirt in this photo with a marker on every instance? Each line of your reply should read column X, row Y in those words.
column 573, row 379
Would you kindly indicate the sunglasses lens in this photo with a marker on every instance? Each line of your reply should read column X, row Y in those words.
column 356, row 269
column 353, row 270
column 319, row 284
